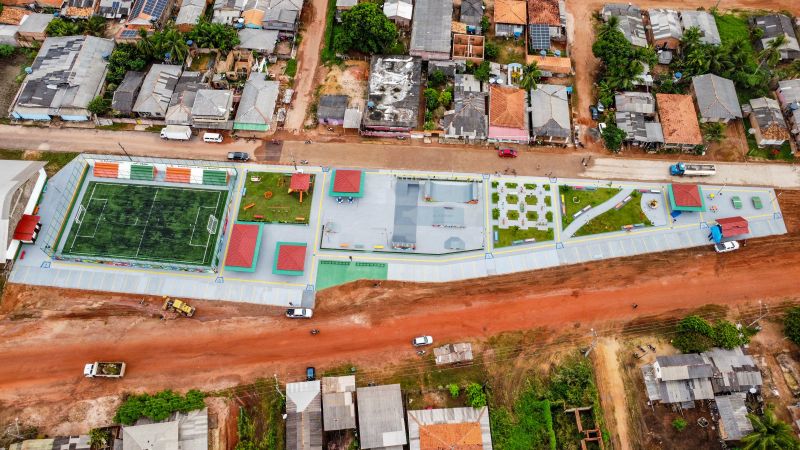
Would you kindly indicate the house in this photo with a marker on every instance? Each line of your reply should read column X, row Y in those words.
column 149, row 14
column 666, row 29
column 636, row 102
column 766, row 119
column 630, row 21
column 156, row 91
column 550, row 114
column 679, row 122
column 338, row 405
column 342, row 6
column 471, row 14
column 257, row 106
column 381, row 422
column 22, row 185
column 185, row 431
column 179, row 111
column 31, row 31
column 544, row 24
column 703, row 21
column 552, row 66
column 254, row 12
column 283, row 15
column 468, row 47
column 788, row 94
column 716, row 98
column 331, row 108
column 639, row 131
column 189, row 14
column 508, row 116
column 510, row 18
column 430, row 33
column 126, row 93
column 303, row 416
column 66, row 75
column 114, row 9
column 450, row 428
column 80, row 442
column 79, row 9
column 393, row 101
column 212, row 109
column 733, row 422
column 227, row 11
column 261, row 41
column 399, row 12
column 467, row 121
column 775, row 25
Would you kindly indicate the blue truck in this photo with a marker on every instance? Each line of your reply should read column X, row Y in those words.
column 692, row 170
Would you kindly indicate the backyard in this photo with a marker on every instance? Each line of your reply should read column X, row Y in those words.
column 267, row 199
column 575, row 200
column 732, row 27
column 613, row 220
column 784, row 152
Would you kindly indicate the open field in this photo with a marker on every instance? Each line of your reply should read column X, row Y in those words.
column 143, row 222
column 280, row 207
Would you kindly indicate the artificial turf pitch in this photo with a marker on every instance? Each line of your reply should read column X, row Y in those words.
column 151, row 223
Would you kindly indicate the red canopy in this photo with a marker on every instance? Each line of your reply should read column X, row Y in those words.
column 26, row 227
column 687, row 195
column 347, row 181
column 292, row 257
column 733, row 226
column 300, row 182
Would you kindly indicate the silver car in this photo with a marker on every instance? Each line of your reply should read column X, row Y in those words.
column 724, row 247
column 299, row 313
column 421, row 341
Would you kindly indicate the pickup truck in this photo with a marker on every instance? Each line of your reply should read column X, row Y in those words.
column 104, row 370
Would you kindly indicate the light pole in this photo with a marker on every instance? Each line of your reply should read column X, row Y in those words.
column 125, row 151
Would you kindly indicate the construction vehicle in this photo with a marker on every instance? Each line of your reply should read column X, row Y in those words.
column 692, row 170
column 179, row 306
column 104, row 370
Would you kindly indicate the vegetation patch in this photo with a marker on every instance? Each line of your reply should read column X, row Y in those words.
column 695, row 335
column 260, row 423
column 531, row 200
column 157, row 407
column 513, row 214
column 55, row 160
column 532, row 215
column 267, row 199
column 575, row 200
column 615, row 219
column 512, row 199
column 772, row 153
column 507, row 236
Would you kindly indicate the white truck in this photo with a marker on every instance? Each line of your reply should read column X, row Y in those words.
column 104, row 370
column 692, row 170
column 176, row 132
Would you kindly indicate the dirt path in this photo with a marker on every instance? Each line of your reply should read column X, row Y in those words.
column 612, row 391
column 307, row 62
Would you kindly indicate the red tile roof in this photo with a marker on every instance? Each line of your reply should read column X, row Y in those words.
column 451, row 436
column 300, row 182
column 544, row 12
column 242, row 246
column 510, row 11
column 347, row 181
column 506, row 107
column 679, row 119
column 291, row 257
column 733, row 226
column 687, row 195
column 26, row 227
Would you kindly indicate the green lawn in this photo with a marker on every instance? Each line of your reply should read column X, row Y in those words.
column 784, row 152
column 575, row 200
column 282, row 207
column 734, row 26
column 531, row 200
column 505, row 237
column 614, row 219
column 55, row 160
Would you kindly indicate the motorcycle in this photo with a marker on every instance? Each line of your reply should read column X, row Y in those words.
column 314, row 332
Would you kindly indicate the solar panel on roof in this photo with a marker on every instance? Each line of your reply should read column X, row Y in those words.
column 539, row 37
column 129, row 33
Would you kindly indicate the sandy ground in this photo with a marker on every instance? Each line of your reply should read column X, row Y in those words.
column 612, row 391
column 350, row 81
column 46, row 335
column 307, row 62
column 9, row 69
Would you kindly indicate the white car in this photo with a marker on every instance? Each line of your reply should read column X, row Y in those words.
column 420, row 341
column 724, row 247
column 299, row 313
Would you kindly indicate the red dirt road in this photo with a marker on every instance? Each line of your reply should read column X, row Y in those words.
column 47, row 335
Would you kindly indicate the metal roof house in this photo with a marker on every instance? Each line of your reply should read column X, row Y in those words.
column 381, row 421
column 394, row 96
column 32, row 29
column 766, row 119
column 331, row 108
column 635, row 102
column 185, row 431
column 303, row 416
column 639, row 129
column 471, row 13
column 467, row 121
column 283, row 15
column 430, row 32
column 189, row 14
column 114, row 9
column 67, row 74
column 733, row 421
column 212, row 109
column 550, row 114
column 338, row 405
column 399, row 12
column 156, row 91
column 262, row 41
column 666, row 28
column 716, row 98
column 254, row 12
column 126, row 92
column 703, row 21
column 788, row 94
column 227, row 11
column 775, row 25
column 544, row 23
column 257, row 106
column 21, row 185
column 510, row 17
column 179, row 111
column 451, row 428
column 630, row 21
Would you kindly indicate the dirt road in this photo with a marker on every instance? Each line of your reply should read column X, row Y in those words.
column 586, row 65
column 307, row 64
column 612, row 392
column 46, row 335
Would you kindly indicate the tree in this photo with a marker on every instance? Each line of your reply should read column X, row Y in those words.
column 485, row 24
column 712, row 131
column 791, row 324
column 6, row 51
column 679, row 424
column 609, row 27
column 167, row 45
column 491, row 50
column 366, row 29
column 99, row 438
column 214, row 35
column 613, row 137
column 431, row 99
column 476, row 397
column 770, row 433
column 99, row 106
column 726, row 335
column 691, row 39
column 436, row 78
column 694, row 335
column 771, row 55
column 95, row 26
column 530, row 77
column 483, row 71
column 59, row 27
column 445, row 97
column 454, row 390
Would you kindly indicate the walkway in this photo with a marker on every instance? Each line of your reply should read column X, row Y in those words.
column 584, row 218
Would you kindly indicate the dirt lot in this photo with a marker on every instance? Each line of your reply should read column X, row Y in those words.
column 47, row 334
column 9, row 69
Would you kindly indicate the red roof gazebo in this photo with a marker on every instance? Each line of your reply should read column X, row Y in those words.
column 300, row 182
column 733, row 226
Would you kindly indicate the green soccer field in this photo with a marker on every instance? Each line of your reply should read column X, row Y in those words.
column 150, row 223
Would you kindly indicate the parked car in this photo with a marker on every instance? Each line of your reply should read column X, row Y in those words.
column 311, row 374
column 238, row 156
column 595, row 113
column 299, row 313
column 724, row 247
column 421, row 341
column 507, row 153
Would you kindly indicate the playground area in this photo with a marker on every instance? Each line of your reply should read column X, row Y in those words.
column 521, row 213
column 277, row 198
column 145, row 222
column 387, row 213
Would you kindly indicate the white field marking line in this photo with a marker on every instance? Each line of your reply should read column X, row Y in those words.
column 78, row 231
column 194, row 227
column 208, row 239
column 99, row 218
column 147, row 222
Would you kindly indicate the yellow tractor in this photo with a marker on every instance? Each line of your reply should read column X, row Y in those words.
column 178, row 306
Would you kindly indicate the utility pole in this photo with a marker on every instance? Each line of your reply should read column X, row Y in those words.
column 125, row 151
column 763, row 306
column 592, row 345
column 277, row 386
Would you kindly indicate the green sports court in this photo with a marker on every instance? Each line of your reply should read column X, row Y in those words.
column 334, row 273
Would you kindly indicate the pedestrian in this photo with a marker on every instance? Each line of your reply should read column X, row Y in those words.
column 635, row 305
column 351, row 258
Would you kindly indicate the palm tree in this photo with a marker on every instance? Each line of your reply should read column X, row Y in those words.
column 717, row 59
column 530, row 77
column 95, row 26
column 691, row 39
column 771, row 54
column 769, row 433
column 145, row 44
column 611, row 25
column 697, row 62
column 172, row 45
column 793, row 71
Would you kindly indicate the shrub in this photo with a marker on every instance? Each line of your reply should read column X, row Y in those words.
column 495, row 184
column 697, row 335
column 512, row 199
column 512, row 185
column 291, row 68
column 532, row 215
column 513, row 214
column 530, row 186
column 436, row 78
column 549, row 216
column 431, row 99
column 495, row 197
column 454, row 390
column 99, row 106
column 547, row 187
column 157, row 407
column 490, row 51
column 495, row 213
column 679, row 424
column 548, row 201
column 531, row 200
column 6, row 51
column 476, row 397
column 791, row 324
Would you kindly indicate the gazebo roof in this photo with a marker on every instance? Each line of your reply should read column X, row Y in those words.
column 290, row 258
column 300, row 182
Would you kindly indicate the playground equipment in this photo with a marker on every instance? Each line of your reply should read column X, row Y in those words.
column 268, row 195
column 179, row 306
column 653, row 204
column 246, row 207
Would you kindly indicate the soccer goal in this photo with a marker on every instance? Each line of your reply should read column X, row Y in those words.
column 79, row 215
column 211, row 226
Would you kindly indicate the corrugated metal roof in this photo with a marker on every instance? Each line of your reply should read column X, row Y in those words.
column 734, row 424
column 716, row 98
column 381, row 420
column 550, row 111
column 431, row 28
column 303, row 416
column 705, row 22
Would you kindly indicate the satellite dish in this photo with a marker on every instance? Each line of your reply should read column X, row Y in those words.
column 543, row 52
